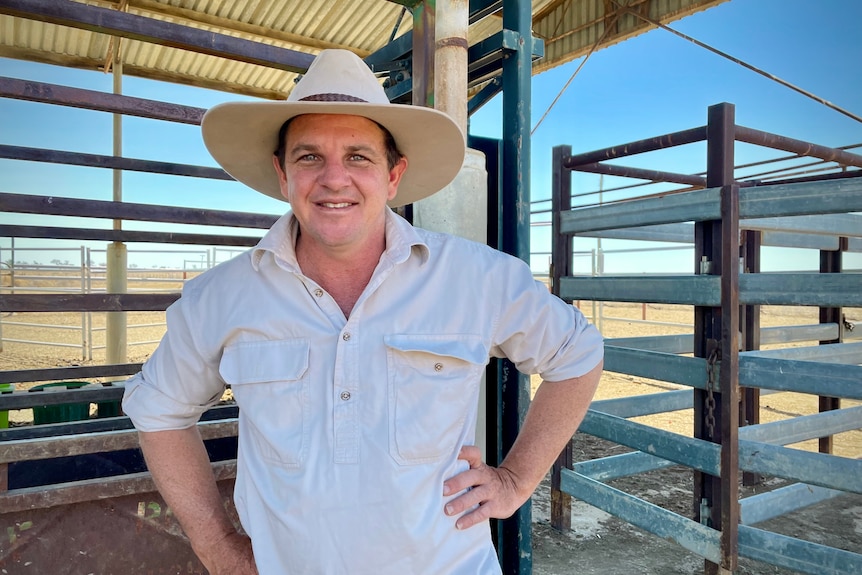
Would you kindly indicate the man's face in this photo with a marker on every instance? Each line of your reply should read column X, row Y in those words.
column 337, row 179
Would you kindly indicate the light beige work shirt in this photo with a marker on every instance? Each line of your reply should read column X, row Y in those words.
column 348, row 427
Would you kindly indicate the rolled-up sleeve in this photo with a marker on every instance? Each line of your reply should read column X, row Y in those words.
column 542, row 334
column 179, row 381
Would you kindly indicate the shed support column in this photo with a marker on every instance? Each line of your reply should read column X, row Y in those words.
column 515, row 535
column 116, row 349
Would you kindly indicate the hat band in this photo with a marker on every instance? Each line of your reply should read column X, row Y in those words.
column 330, row 97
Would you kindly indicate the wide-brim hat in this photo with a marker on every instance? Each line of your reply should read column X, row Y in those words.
column 242, row 136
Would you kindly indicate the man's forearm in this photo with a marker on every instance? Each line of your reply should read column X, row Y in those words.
column 555, row 413
column 181, row 469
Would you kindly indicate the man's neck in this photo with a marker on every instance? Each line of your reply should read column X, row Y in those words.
column 344, row 274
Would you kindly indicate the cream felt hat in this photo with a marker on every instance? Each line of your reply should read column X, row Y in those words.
column 242, row 136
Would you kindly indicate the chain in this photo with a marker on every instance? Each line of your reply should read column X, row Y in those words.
column 711, row 362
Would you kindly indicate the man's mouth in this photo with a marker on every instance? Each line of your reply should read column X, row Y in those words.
column 336, row 205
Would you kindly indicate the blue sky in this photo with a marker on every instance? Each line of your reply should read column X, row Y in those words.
column 653, row 84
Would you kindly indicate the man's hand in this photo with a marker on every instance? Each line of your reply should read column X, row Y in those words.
column 494, row 490
column 230, row 556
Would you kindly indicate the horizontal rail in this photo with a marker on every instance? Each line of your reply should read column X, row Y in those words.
column 637, row 147
column 86, row 302
column 796, row 554
column 76, row 372
column 761, row 138
column 59, row 396
column 690, row 371
column 846, row 353
column 690, row 535
column 832, row 380
column 80, row 444
column 782, row 200
column 778, row 502
column 695, row 453
column 821, row 469
column 17, row 500
column 125, row 236
column 782, row 432
column 43, row 92
column 57, row 206
column 814, row 289
column 110, row 162
column 684, row 343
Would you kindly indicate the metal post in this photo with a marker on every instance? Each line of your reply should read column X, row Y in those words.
column 561, row 266
column 749, row 413
column 716, row 410
column 516, row 546
column 830, row 263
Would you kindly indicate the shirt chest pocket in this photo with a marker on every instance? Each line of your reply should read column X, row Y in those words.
column 270, row 384
column 433, row 385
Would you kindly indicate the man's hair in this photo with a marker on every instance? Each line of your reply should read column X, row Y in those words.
column 393, row 155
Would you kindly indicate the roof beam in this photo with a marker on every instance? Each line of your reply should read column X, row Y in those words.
column 108, row 21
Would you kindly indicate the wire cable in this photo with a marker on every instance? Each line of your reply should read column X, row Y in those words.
column 735, row 60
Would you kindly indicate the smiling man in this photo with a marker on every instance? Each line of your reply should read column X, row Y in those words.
column 354, row 345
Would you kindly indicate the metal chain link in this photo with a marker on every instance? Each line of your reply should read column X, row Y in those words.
column 711, row 362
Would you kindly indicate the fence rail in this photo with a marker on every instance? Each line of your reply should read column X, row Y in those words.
column 726, row 291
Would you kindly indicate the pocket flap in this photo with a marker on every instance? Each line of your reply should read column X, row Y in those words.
column 263, row 361
column 468, row 348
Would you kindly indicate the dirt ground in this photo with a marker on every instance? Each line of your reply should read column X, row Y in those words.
column 598, row 543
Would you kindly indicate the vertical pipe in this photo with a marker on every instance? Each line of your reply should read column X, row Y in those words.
column 516, row 550
column 116, row 350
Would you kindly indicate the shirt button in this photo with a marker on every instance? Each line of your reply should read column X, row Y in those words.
column 438, row 367
column 318, row 292
column 345, row 336
column 345, row 395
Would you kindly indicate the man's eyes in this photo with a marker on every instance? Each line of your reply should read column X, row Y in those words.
column 316, row 158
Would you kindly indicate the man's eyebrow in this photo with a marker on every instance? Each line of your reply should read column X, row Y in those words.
column 302, row 147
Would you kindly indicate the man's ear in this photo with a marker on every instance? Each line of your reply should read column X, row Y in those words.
column 395, row 175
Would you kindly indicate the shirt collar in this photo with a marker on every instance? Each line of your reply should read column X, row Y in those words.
column 402, row 240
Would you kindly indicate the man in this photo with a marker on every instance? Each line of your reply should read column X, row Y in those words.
column 354, row 345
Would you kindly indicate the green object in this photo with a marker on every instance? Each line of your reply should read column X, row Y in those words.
column 61, row 412
column 4, row 415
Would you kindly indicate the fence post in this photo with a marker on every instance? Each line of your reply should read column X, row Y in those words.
column 830, row 263
column 561, row 266
column 716, row 409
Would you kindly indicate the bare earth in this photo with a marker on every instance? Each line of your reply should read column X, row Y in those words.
column 597, row 543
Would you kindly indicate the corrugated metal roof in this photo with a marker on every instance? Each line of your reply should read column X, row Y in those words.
column 568, row 27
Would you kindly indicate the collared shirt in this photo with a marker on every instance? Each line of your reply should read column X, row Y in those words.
column 349, row 426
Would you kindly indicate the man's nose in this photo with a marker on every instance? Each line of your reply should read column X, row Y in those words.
column 334, row 175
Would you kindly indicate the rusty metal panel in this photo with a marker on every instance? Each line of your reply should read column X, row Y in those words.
column 126, row 534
